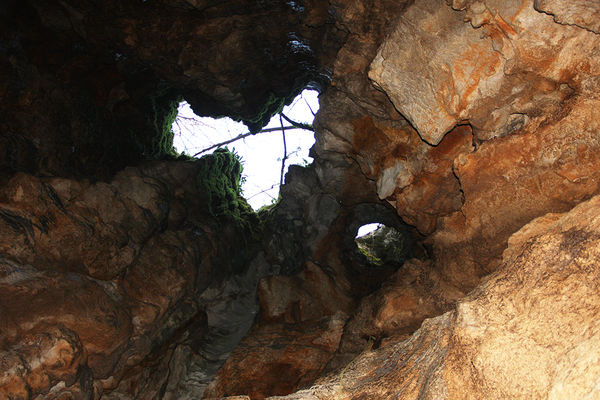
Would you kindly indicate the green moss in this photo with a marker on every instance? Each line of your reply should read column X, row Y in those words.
column 164, row 111
column 366, row 251
column 219, row 179
column 272, row 106
column 385, row 245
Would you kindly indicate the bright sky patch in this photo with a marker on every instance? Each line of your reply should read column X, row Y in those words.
column 261, row 153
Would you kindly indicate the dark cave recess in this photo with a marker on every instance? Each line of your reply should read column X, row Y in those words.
column 89, row 89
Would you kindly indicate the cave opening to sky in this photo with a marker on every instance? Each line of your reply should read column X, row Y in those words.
column 382, row 244
column 367, row 228
column 261, row 153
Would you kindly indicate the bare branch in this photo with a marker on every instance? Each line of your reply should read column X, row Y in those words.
column 266, row 191
column 242, row 136
column 284, row 150
column 195, row 119
column 309, row 107
column 177, row 123
column 300, row 125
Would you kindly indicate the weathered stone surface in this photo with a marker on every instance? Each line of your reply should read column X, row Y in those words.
column 434, row 190
column 125, row 287
column 394, row 312
column 534, row 93
column 97, row 280
column 507, row 67
column 529, row 331
column 309, row 295
column 95, row 228
column 581, row 13
column 510, row 181
column 31, row 297
column 303, row 317
column 88, row 89
column 276, row 359
column 40, row 360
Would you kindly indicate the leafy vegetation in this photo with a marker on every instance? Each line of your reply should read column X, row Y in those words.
column 165, row 113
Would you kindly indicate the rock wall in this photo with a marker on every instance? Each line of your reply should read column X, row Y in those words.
column 529, row 330
column 97, row 278
column 89, row 88
column 469, row 126
column 527, row 87
column 491, row 126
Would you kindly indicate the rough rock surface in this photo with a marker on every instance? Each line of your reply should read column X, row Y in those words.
column 583, row 14
column 278, row 358
column 529, row 331
column 103, row 80
column 510, row 56
column 511, row 107
column 465, row 119
column 97, row 278
column 528, row 88
column 395, row 311
column 300, row 326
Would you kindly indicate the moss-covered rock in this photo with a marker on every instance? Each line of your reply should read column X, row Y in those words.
column 219, row 179
column 385, row 245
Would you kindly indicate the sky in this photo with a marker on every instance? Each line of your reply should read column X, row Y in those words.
column 363, row 230
column 261, row 153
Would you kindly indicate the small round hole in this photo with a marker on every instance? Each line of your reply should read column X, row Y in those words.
column 382, row 245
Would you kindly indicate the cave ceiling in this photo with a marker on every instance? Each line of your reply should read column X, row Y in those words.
column 129, row 271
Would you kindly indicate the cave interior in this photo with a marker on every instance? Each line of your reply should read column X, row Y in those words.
column 468, row 129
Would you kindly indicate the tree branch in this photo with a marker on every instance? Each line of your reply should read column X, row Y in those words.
column 266, row 191
column 242, row 136
column 284, row 151
column 309, row 107
column 299, row 125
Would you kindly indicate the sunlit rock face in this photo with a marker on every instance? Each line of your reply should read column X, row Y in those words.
column 527, row 86
column 501, row 99
column 470, row 126
column 529, row 331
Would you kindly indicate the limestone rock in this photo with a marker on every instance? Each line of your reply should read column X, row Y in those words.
column 88, row 89
column 485, row 63
column 299, row 328
column 439, row 70
column 513, row 180
column 278, row 358
column 392, row 313
column 479, row 116
column 97, row 279
column 529, row 331
column 584, row 14
column 309, row 295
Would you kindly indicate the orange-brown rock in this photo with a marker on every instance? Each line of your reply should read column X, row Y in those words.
column 309, row 295
column 46, row 355
column 530, row 99
column 509, row 181
column 498, row 72
column 395, row 311
column 466, row 118
column 97, row 279
column 278, row 358
column 528, row 331
column 299, row 328
column 581, row 13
